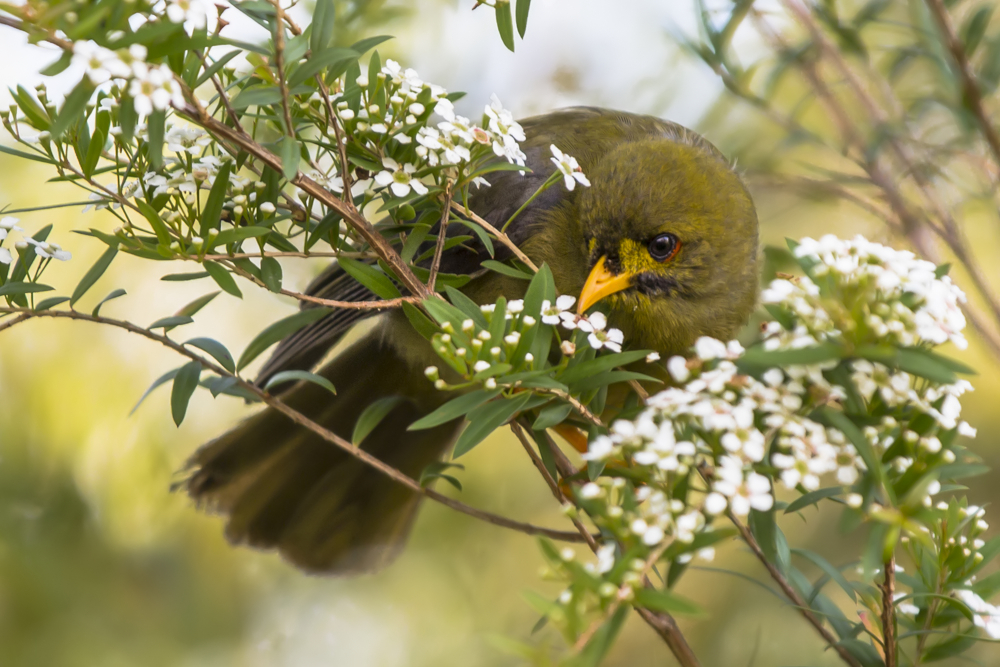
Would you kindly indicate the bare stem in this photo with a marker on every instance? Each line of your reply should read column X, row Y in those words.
column 889, row 612
column 441, row 237
column 500, row 236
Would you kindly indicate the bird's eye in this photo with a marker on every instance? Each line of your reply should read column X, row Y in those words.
column 664, row 247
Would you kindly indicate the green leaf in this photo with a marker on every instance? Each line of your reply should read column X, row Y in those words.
column 951, row 646
column 223, row 278
column 828, row 569
column 184, row 385
column 373, row 416
column 925, row 364
column 813, row 497
column 270, row 273
column 97, row 141
column 212, row 210
column 599, row 365
column 290, row 153
column 552, row 415
column 467, row 306
column 170, row 322
column 37, row 116
column 214, row 68
column 239, row 234
column 505, row 24
column 127, row 118
column 159, row 227
column 23, row 288
column 597, row 648
column 455, row 408
column 275, row 332
column 216, row 349
column 114, row 295
column 369, row 276
column 610, row 377
column 521, row 16
column 181, row 277
column 771, row 540
column 155, row 128
column 365, row 45
column 95, row 272
column 51, row 302
column 321, row 28
column 665, row 601
column 166, row 377
column 296, row 376
column 487, row 418
column 25, row 156
column 420, row 322
column 72, row 108
column 761, row 358
column 505, row 269
column 975, row 28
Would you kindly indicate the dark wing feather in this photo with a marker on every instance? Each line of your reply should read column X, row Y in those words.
column 585, row 132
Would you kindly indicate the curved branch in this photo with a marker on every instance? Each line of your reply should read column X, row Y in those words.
column 23, row 315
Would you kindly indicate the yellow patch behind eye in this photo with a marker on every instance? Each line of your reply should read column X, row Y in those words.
column 591, row 245
column 635, row 257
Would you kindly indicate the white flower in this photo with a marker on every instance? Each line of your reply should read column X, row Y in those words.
column 709, row 348
column 652, row 357
column 400, row 178
column 5, row 257
column 8, row 224
column 183, row 139
column 101, row 64
column 154, row 88
column 189, row 12
column 677, row 366
column 445, row 108
column 551, row 314
column 49, row 250
column 509, row 149
column 985, row 615
column 570, row 168
column 611, row 339
column 605, row 558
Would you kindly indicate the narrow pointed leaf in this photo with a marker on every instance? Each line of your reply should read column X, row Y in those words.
column 278, row 330
column 95, row 272
column 486, row 419
column 296, row 376
column 223, row 278
column 216, row 349
column 373, row 416
column 455, row 408
column 114, row 295
column 185, row 383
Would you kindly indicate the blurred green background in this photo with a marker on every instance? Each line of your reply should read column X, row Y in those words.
column 101, row 565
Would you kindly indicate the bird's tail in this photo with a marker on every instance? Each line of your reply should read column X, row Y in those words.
column 284, row 487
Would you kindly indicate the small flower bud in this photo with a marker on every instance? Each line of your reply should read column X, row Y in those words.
column 528, row 321
column 490, row 383
column 568, row 348
column 432, row 373
column 468, row 326
column 267, row 207
column 440, row 384
column 855, row 500
column 567, row 554
column 362, row 81
column 477, row 344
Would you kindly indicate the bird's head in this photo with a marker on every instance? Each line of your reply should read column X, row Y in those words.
column 670, row 233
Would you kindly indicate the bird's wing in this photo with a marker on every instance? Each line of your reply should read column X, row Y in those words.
column 584, row 132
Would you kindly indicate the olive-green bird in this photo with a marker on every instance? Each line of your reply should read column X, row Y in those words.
column 666, row 236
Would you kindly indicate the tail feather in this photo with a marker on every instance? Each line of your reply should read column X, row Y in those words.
column 284, row 487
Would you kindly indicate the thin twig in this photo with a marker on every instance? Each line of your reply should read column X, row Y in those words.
column 279, row 64
column 792, row 594
column 500, row 236
column 439, row 246
column 889, row 612
column 300, row 419
column 972, row 96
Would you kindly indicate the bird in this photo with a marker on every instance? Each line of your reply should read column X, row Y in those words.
column 665, row 237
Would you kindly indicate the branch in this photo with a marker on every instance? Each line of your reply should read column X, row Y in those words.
column 792, row 594
column 889, row 612
column 300, row 419
column 500, row 236
column 279, row 64
column 439, row 246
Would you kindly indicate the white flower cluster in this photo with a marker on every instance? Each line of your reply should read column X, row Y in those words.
column 867, row 291
column 151, row 87
column 474, row 351
column 984, row 614
column 43, row 249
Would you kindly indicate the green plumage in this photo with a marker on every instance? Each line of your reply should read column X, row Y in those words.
column 283, row 487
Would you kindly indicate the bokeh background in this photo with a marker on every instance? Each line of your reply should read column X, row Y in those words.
column 101, row 565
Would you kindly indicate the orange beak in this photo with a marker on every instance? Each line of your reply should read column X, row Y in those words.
column 600, row 283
